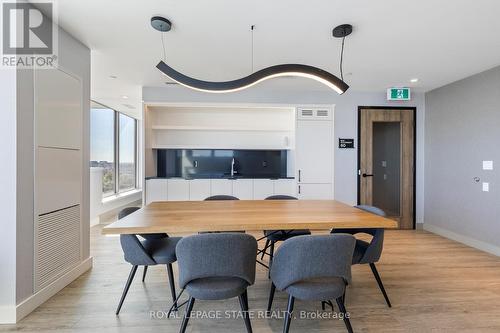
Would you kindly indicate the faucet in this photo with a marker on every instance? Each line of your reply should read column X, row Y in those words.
column 232, row 168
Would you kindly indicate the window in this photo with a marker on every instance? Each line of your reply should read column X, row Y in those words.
column 126, row 153
column 113, row 147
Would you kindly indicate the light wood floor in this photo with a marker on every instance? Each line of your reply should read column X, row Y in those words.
column 436, row 285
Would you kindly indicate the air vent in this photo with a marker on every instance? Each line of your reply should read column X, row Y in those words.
column 307, row 113
column 314, row 114
column 322, row 113
column 57, row 244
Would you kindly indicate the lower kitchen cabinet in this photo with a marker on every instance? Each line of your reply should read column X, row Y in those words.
column 178, row 189
column 285, row 187
column 156, row 190
column 243, row 189
column 199, row 189
column 262, row 188
column 221, row 187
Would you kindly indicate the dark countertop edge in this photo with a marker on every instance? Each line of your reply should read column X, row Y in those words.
column 228, row 178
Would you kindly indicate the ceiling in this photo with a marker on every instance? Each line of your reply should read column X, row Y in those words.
column 393, row 41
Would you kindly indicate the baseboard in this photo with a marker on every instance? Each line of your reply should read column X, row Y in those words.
column 419, row 226
column 477, row 244
column 31, row 303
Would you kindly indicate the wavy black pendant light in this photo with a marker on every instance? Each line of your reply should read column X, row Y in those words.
column 311, row 72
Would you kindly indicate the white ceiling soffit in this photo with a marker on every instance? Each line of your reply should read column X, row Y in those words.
column 393, row 41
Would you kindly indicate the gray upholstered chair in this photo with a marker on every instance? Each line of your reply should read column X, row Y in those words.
column 273, row 236
column 313, row 268
column 126, row 212
column 217, row 267
column 369, row 253
column 151, row 251
column 221, row 198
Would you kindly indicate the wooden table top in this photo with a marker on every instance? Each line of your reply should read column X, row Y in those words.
column 251, row 215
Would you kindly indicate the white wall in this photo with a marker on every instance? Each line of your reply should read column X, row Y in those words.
column 346, row 114
column 462, row 131
column 8, row 195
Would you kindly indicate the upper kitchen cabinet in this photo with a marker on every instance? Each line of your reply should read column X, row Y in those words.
column 314, row 147
column 224, row 127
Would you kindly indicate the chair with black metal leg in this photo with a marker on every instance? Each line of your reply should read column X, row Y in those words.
column 273, row 236
column 217, row 267
column 369, row 253
column 313, row 268
column 147, row 253
column 129, row 210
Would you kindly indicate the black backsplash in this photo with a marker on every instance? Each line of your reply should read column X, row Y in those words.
column 216, row 163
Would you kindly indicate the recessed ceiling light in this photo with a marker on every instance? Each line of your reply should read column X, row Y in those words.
column 414, row 80
column 113, row 77
column 124, row 96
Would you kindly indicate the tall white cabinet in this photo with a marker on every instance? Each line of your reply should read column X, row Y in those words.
column 314, row 153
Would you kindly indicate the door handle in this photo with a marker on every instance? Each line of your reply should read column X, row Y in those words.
column 299, row 176
column 366, row 175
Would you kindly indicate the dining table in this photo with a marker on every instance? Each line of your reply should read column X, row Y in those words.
column 184, row 217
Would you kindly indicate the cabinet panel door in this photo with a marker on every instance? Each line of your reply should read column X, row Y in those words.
column 262, row 188
column 58, row 109
column 221, row 187
column 243, row 189
column 199, row 189
column 314, row 144
column 178, row 190
column 285, row 187
column 156, row 190
column 315, row 191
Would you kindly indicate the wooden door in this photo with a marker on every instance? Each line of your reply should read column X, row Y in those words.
column 386, row 173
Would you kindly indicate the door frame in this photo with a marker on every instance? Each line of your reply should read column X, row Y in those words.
column 414, row 108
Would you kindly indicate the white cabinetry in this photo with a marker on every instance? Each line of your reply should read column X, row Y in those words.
column 243, row 189
column 199, row 189
column 262, row 188
column 315, row 191
column 178, row 189
column 221, row 187
column 156, row 190
column 314, row 155
column 285, row 187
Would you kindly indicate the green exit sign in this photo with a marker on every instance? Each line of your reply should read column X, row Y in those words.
column 398, row 94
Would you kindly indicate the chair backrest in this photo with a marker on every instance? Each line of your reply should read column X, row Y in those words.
column 127, row 211
column 372, row 209
column 216, row 255
column 306, row 257
column 374, row 251
column 281, row 197
column 134, row 252
column 221, row 197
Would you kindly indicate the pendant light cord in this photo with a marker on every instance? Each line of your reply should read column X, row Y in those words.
column 342, row 60
column 163, row 45
column 252, row 27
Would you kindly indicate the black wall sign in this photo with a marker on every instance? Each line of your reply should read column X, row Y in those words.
column 346, row 143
